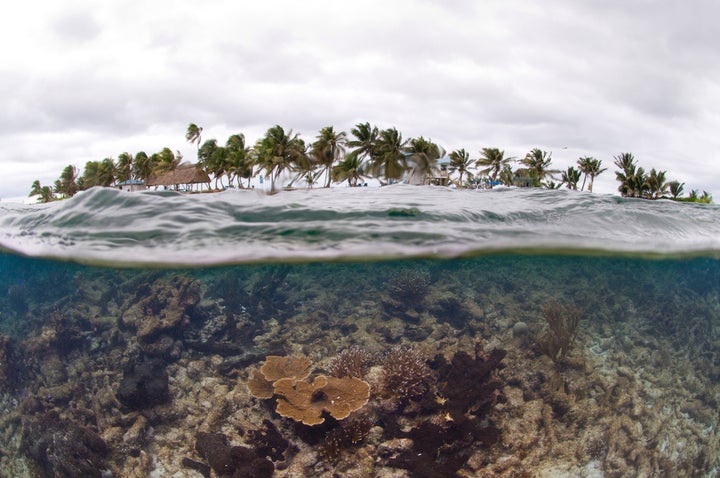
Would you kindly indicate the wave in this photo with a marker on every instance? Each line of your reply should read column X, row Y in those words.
column 109, row 226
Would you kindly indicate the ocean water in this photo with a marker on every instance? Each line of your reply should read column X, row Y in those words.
column 481, row 333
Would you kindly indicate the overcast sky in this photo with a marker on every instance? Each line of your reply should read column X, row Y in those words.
column 85, row 80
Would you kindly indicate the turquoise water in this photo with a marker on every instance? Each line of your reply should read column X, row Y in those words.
column 200, row 290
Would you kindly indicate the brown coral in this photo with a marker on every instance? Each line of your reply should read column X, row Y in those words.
column 276, row 367
column 305, row 402
column 259, row 386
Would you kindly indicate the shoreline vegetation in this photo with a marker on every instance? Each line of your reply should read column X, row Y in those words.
column 367, row 153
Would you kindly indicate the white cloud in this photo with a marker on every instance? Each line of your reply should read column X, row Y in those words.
column 84, row 80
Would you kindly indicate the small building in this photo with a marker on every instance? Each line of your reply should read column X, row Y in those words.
column 440, row 177
column 131, row 185
column 183, row 177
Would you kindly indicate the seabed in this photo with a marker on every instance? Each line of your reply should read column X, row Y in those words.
column 144, row 373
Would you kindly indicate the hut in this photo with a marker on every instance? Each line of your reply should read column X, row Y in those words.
column 180, row 178
column 131, row 185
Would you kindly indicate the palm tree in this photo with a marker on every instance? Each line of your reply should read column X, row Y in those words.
column 507, row 176
column 538, row 163
column 36, row 189
column 676, row 189
column 570, row 178
column 165, row 161
column 460, row 162
column 424, row 156
column 365, row 142
column 143, row 166
column 45, row 193
column 327, row 150
column 107, row 172
column 194, row 134
column 212, row 160
column 389, row 160
column 553, row 185
column 494, row 161
column 237, row 159
column 124, row 167
column 351, row 169
column 589, row 167
column 67, row 184
column 656, row 184
column 632, row 178
column 278, row 151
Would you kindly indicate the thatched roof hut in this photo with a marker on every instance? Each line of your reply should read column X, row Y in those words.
column 185, row 174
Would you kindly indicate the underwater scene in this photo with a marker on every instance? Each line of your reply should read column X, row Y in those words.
column 392, row 332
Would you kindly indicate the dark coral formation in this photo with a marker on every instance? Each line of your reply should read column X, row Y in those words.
column 8, row 367
column 464, row 397
column 60, row 448
column 231, row 461
column 349, row 433
column 144, row 384
column 268, row 442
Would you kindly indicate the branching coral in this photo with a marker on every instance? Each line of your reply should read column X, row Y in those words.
column 351, row 362
column 409, row 286
column 559, row 338
column 405, row 373
column 349, row 433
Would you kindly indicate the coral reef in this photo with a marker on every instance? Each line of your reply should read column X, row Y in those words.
column 405, row 373
column 409, row 286
column 60, row 448
column 406, row 292
column 231, row 461
column 562, row 322
column 460, row 405
column 143, row 385
column 8, row 366
column 267, row 441
column 351, row 362
column 160, row 316
column 262, row 382
column 306, row 402
column 639, row 398
column 349, row 433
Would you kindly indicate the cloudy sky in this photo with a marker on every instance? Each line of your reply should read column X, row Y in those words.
column 85, row 80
